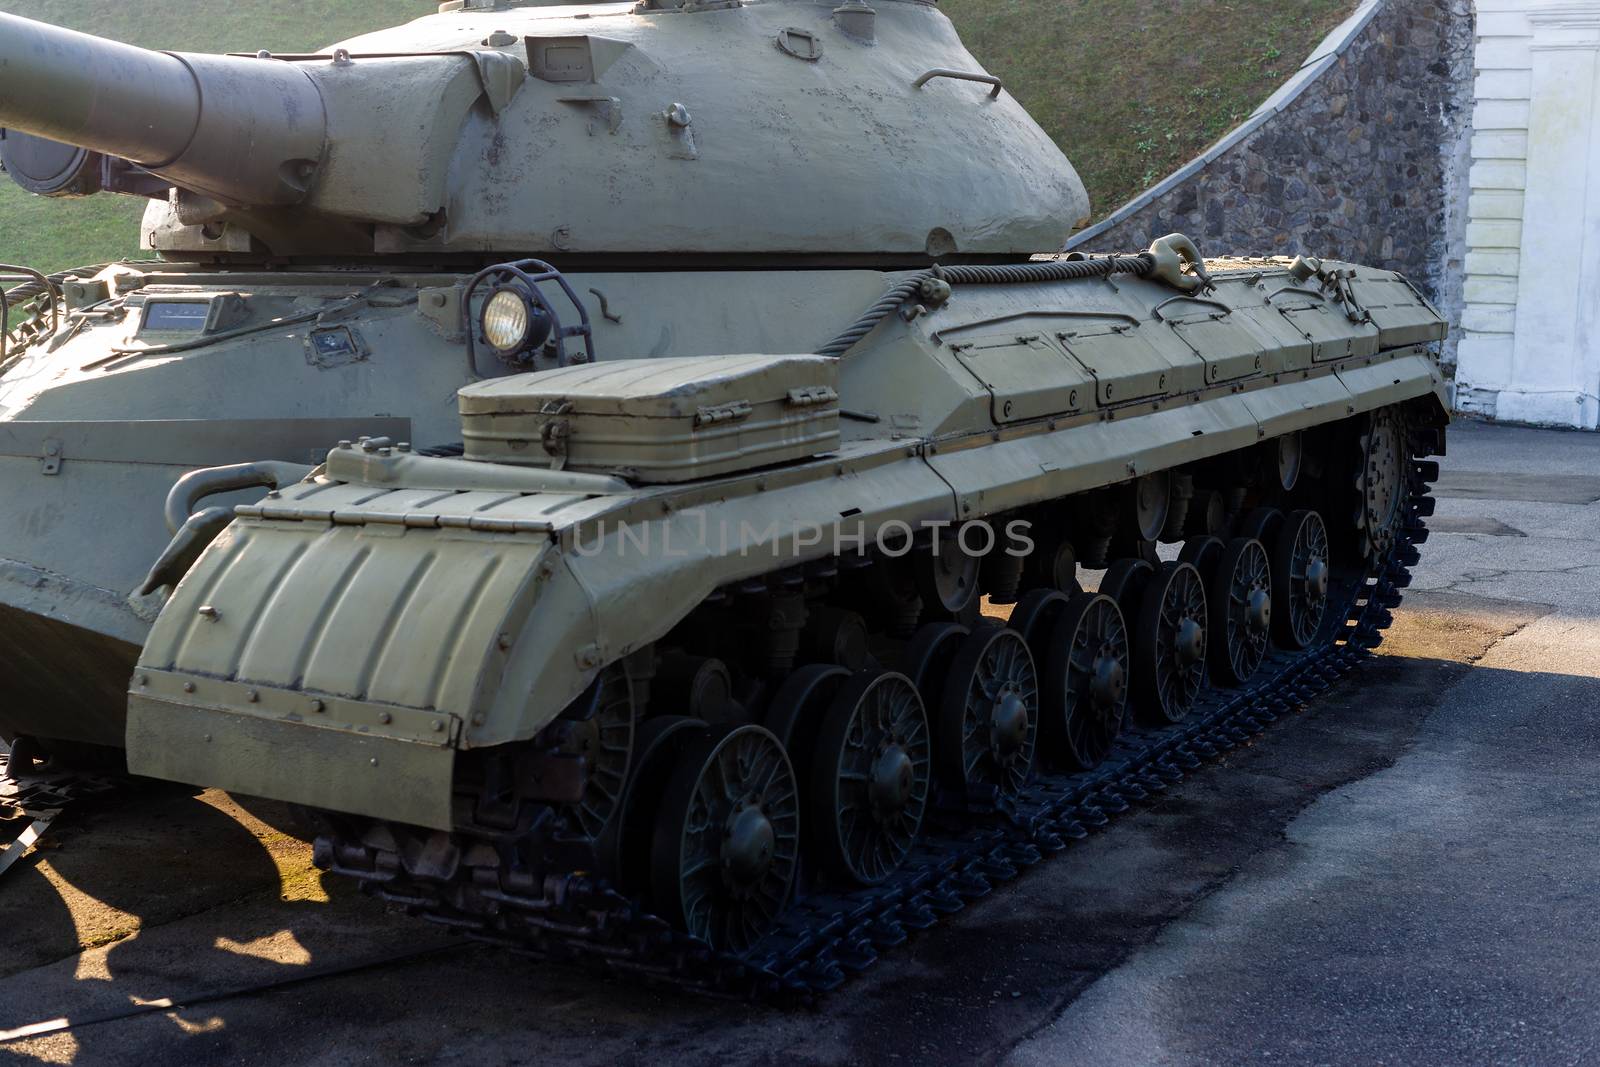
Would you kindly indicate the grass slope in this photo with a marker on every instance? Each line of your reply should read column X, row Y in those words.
column 1133, row 89
column 1129, row 88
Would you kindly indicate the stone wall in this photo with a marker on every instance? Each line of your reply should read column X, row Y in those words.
column 1356, row 157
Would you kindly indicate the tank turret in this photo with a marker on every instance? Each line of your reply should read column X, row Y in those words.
column 775, row 127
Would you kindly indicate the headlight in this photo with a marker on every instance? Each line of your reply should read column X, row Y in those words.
column 507, row 321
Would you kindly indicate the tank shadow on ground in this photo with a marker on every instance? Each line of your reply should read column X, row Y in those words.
column 971, row 988
column 154, row 892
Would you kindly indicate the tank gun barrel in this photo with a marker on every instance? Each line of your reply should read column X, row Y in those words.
column 243, row 131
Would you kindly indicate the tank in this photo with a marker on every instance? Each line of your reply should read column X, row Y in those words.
column 710, row 529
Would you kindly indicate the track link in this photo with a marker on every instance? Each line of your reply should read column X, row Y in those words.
column 823, row 940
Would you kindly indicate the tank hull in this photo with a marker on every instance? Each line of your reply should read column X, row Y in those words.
column 1006, row 399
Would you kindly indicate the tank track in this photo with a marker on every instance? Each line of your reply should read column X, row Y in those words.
column 40, row 797
column 47, row 792
column 823, row 940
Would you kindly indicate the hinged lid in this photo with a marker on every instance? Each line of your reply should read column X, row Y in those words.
column 656, row 388
column 657, row 420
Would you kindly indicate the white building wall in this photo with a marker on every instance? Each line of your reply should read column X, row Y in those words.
column 1530, row 346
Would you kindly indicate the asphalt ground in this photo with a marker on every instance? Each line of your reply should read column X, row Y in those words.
column 1405, row 873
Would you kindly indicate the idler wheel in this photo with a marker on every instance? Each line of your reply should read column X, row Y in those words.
column 988, row 716
column 869, row 778
column 727, row 837
column 1300, row 579
column 1169, row 644
column 1084, row 684
column 604, row 738
column 1241, row 609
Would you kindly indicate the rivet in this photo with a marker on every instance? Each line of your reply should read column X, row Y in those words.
column 503, row 642
column 317, row 705
column 373, row 761
column 208, row 739
column 385, row 718
column 144, row 680
column 252, row 696
column 188, row 687
column 438, row 726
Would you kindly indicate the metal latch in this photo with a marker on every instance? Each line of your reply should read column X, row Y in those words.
column 730, row 412
column 556, row 432
column 810, row 395
column 50, row 460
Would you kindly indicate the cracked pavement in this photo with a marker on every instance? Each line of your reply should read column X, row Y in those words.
column 1406, row 872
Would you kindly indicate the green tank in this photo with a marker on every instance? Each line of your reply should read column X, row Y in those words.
column 710, row 528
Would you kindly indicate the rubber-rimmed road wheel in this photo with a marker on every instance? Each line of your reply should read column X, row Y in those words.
column 1169, row 645
column 988, row 718
column 727, row 837
column 1241, row 611
column 1084, row 684
column 1300, row 577
column 870, row 774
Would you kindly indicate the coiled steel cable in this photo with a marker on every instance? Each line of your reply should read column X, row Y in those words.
column 1053, row 270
